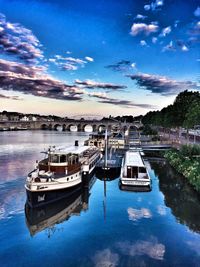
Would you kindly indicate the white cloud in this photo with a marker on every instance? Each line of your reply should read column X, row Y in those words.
column 144, row 28
column 135, row 215
column 147, row 7
column 154, row 40
column 184, row 48
column 151, row 248
column 161, row 210
column 105, row 258
column 165, row 31
column 133, row 65
column 143, row 43
column 89, row 59
column 169, row 47
column 197, row 12
column 139, row 16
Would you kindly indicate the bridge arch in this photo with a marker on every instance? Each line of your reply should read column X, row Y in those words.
column 58, row 127
column 101, row 127
column 88, row 128
column 44, row 126
column 72, row 127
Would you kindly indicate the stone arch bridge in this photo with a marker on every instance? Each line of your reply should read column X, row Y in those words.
column 67, row 125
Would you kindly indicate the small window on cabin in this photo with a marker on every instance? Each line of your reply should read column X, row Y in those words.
column 55, row 158
column 142, row 170
column 71, row 177
column 67, row 179
column 63, row 158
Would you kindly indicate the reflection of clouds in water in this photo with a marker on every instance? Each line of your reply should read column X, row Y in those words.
column 195, row 245
column 11, row 202
column 152, row 248
column 105, row 258
column 161, row 210
column 135, row 214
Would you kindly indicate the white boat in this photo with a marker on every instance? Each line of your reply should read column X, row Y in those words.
column 134, row 171
column 60, row 172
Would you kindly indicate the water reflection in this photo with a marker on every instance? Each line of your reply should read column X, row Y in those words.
column 135, row 215
column 106, row 258
column 151, row 248
column 46, row 217
column 183, row 200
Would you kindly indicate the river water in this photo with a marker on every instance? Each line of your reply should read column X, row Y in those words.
column 103, row 227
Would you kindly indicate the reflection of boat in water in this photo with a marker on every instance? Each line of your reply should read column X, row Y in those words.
column 133, row 171
column 134, row 188
column 47, row 216
column 60, row 173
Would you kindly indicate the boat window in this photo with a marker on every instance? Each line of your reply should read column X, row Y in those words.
column 142, row 170
column 63, row 158
column 55, row 158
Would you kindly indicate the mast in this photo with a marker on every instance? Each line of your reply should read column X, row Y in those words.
column 106, row 149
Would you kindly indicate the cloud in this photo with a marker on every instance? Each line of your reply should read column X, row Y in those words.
column 184, row 48
column 151, row 248
column 19, row 41
column 154, row 5
column 90, row 84
column 162, row 85
column 30, row 80
column 161, row 210
column 195, row 29
column 126, row 103
column 169, row 47
column 147, row 7
column 154, row 40
column 69, row 63
column 135, row 215
column 143, row 43
column 122, row 66
column 143, row 28
column 197, row 12
column 90, row 59
column 165, row 31
column 139, row 16
column 10, row 97
column 105, row 258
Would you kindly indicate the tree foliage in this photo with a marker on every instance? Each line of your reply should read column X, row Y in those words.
column 185, row 111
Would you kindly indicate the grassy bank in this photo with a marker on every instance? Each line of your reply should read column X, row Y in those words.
column 187, row 162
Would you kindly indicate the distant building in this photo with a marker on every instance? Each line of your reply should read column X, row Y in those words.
column 24, row 118
column 32, row 118
column 3, row 117
column 13, row 117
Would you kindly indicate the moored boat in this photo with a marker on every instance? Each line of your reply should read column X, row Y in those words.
column 60, row 173
column 134, row 171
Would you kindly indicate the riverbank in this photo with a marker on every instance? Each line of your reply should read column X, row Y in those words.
column 187, row 162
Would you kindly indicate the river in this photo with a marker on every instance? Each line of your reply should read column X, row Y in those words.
column 96, row 228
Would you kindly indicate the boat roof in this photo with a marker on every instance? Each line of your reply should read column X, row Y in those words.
column 70, row 149
column 133, row 158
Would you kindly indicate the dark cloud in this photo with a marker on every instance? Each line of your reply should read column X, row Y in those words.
column 162, row 85
column 29, row 80
column 125, row 103
column 10, row 97
column 90, row 84
column 17, row 40
column 122, row 66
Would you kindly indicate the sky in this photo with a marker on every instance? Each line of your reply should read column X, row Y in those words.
column 97, row 58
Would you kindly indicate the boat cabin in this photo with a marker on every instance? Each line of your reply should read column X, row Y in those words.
column 134, row 166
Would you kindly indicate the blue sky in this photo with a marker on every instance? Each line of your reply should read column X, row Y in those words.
column 97, row 57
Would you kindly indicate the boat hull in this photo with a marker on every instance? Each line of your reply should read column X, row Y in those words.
column 40, row 198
